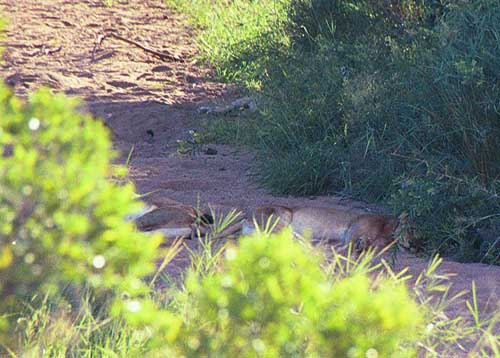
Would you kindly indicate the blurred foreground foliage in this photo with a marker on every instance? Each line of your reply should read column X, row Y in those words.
column 61, row 218
column 272, row 299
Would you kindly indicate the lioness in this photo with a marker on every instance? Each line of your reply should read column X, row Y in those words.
column 344, row 226
column 331, row 224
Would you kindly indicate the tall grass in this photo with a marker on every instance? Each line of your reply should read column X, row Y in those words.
column 49, row 327
column 388, row 101
column 238, row 34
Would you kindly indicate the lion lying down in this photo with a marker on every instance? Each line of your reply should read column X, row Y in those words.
column 336, row 225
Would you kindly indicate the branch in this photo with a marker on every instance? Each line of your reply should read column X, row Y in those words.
column 161, row 55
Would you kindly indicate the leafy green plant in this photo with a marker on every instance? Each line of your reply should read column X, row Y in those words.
column 192, row 146
column 447, row 132
column 462, row 225
column 50, row 327
column 271, row 298
column 467, row 79
column 62, row 218
column 354, row 21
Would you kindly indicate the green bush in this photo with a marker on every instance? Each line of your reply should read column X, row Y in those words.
column 466, row 78
column 61, row 217
column 48, row 327
column 448, row 135
column 271, row 299
column 297, row 137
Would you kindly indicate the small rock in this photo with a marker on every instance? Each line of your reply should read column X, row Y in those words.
column 252, row 106
column 245, row 103
column 85, row 74
column 190, row 79
column 210, row 151
column 150, row 134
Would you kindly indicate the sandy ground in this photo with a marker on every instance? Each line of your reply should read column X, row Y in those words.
column 150, row 103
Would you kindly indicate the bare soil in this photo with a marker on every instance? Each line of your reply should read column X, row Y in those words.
column 150, row 103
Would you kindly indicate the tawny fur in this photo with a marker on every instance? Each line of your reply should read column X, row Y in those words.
column 332, row 224
column 337, row 225
column 167, row 217
column 173, row 219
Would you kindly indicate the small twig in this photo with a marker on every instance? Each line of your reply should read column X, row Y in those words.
column 50, row 51
column 34, row 52
column 161, row 55
column 42, row 50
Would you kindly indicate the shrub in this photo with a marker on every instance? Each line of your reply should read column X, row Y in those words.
column 466, row 73
column 457, row 217
column 272, row 299
column 301, row 125
column 61, row 217
column 449, row 135
column 48, row 327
